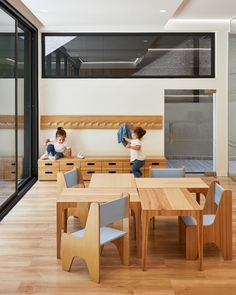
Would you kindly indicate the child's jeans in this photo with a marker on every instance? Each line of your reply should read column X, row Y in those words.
column 137, row 164
column 51, row 150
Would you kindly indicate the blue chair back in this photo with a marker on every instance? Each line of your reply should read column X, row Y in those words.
column 218, row 193
column 71, row 178
column 113, row 211
column 167, row 172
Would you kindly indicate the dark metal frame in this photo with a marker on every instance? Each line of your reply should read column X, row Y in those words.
column 212, row 75
column 24, row 186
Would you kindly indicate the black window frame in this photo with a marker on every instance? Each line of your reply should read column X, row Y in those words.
column 25, row 185
column 211, row 34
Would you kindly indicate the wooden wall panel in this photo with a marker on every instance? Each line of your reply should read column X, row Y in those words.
column 100, row 122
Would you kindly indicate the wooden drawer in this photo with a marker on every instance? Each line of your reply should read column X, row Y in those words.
column 112, row 164
column 112, row 170
column 69, row 165
column 87, row 174
column 127, row 164
column 129, row 170
column 155, row 163
column 90, row 164
column 47, row 174
column 49, row 164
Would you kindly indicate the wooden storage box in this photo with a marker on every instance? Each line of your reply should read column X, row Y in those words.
column 69, row 164
column 87, row 173
column 47, row 170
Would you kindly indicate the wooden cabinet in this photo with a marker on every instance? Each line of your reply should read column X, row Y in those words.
column 48, row 169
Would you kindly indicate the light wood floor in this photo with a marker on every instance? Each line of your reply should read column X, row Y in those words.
column 28, row 263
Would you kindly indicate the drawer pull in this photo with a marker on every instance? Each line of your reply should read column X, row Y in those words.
column 91, row 172
column 13, row 164
column 69, row 164
column 48, row 172
column 90, row 164
column 48, row 164
column 111, row 164
column 13, row 172
column 111, row 171
column 155, row 163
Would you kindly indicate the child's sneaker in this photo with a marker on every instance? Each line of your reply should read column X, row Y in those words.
column 80, row 155
column 52, row 158
column 44, row 157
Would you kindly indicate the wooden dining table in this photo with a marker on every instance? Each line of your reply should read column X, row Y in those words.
column 193, row 184
column 107, row 180
column 169, row 202
column 72, row 197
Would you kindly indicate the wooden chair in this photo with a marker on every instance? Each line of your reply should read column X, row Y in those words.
column 166, row 173
column 86, row 243
column 70, row 179
column 217, row 223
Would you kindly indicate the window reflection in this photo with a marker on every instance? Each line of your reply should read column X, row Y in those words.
column 129, row 55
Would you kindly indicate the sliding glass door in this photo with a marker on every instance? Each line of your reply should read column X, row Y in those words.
column 18, row 107
column 189, row 129
column 7, row 106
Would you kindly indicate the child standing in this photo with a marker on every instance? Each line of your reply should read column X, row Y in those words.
column 136, row 154
column 56, row 147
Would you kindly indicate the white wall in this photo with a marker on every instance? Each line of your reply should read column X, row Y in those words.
column 135, row 97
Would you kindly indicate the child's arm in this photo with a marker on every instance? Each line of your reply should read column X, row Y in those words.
column 127, row 139
column 136, row 147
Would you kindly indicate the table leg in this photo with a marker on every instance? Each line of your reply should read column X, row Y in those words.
column 136, row 208
column 145, row 225
column 200, row 239
column 198, row 197
column 65, row 218
column 59, row 228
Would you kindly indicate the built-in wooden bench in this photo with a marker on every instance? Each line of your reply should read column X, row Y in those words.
column 47, row 170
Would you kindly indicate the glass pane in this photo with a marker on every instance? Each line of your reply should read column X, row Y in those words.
column 23, row 101
column 189, row 129
column 232, row 105
column 129, row 55
column 7, row 109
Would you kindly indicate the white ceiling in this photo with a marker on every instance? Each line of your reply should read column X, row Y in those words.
column 103, row 12
column 206, row 9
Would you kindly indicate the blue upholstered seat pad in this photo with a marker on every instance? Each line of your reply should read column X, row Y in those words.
column 166, row 172
column 71, row 178
column 218, row 193
column 208, row 219
column 107, row 234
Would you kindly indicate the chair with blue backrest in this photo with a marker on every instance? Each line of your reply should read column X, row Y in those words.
column 86, row 243
column 73, row 179
column 167, row 172
column 217, row 223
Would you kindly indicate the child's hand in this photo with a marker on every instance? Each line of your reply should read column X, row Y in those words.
column 128, row 146
column 46, row 141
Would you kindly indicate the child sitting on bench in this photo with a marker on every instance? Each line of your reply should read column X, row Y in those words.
column 56, row 147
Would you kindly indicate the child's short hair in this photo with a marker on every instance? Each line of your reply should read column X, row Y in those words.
column 140, row 132
column 60, row 132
